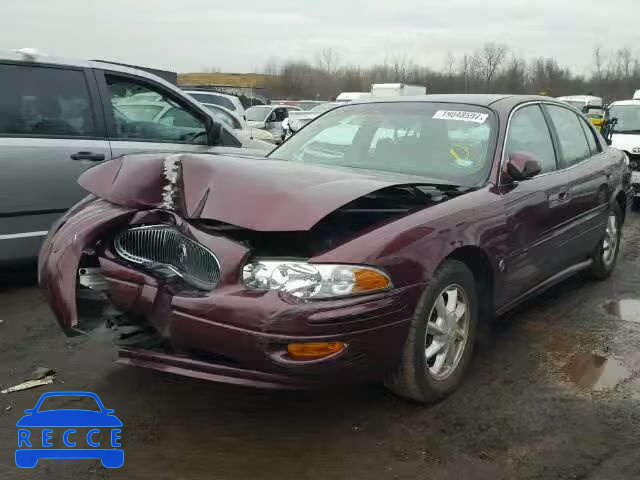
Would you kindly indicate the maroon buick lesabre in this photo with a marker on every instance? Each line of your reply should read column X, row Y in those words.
column 368, row 247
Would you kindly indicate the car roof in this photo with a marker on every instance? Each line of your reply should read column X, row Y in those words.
column 625, row 102
column 483, row 100
column 41, row 59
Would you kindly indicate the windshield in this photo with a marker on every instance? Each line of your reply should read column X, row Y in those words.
column 628, row 118
column 140, row 113
column 449, row 142
column 258, row 114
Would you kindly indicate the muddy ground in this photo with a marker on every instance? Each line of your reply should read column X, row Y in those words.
column 554, row 393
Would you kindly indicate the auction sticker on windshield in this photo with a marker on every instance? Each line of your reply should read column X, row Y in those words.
column 461, row 116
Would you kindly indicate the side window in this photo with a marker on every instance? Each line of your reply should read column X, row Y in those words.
column 594, row 144
column 43, row 101
column 529, row 133
column 144, row 113
column 573, row 142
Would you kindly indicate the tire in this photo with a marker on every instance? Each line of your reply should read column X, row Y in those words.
column 635, row 204
column 416, row 377
column 604, row 264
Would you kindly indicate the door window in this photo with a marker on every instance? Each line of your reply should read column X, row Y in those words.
column 45, row 102
column 573, row 142
column 144, row 113
column 280, row 114
column 529, row 133
column 594, row 144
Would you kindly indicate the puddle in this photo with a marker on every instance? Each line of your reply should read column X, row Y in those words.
column 628, row 309
column 595, row 372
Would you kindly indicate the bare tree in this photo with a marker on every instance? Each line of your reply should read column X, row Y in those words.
column 599, row 59
column 625, row 59
column 328, row 61
column 492, row 55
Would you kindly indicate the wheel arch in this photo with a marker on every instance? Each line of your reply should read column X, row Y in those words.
column 479, row 263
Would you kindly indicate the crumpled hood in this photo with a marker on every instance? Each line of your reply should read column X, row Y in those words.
column 262, row 195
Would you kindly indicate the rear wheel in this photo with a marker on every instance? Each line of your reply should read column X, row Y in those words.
column 441, row 337
column 606, row 254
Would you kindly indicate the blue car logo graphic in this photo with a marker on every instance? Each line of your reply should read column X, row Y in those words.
column 38, row 428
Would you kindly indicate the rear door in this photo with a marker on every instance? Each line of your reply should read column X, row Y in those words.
column 536, row 209
column 588, row 173
column 50, row 132
column 172, row 123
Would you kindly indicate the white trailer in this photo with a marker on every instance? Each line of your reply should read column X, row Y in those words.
column 396, row 90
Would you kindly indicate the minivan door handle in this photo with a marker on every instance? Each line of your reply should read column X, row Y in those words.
column 93, row 157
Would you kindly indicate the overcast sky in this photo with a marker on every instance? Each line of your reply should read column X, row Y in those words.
column 241, row 35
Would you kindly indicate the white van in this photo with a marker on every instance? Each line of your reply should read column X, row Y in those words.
column 396, row 90
column 626, row 137
column 351, row 96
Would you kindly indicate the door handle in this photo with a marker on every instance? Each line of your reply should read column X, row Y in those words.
column 564, row 195
column 93, row 157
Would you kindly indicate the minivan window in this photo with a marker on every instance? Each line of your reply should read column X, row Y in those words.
column 45, row 102
column 573, row 142
column 161, row 120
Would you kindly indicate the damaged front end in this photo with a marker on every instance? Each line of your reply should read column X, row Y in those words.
column 160, row 254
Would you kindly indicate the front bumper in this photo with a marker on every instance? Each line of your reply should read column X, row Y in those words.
column 230, row 334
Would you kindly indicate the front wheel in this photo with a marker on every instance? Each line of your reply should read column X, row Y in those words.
column 441, row 337
column 606, row 254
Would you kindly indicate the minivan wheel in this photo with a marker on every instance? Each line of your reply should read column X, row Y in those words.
column 441, row 337
column 606, row 253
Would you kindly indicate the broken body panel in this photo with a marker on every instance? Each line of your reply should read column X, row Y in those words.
column 237, row 211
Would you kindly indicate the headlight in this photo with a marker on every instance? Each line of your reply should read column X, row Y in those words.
column 313, row 281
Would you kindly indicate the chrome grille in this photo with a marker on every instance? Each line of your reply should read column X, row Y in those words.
column 166, row 251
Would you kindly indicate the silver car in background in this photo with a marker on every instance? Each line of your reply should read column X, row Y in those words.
column 60, row 117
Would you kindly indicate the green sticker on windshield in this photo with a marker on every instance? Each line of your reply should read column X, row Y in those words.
column 461, row 116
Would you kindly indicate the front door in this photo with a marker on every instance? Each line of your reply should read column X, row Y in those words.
column 50, row 133
column 146, row 117
column 536, row 209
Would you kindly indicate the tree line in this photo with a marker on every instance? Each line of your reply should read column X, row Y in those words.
column 494, row 68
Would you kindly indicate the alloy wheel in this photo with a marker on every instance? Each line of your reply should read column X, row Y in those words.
column 447, row 332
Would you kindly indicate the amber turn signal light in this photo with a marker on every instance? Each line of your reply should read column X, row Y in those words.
column 314, row 350
column 368, row 280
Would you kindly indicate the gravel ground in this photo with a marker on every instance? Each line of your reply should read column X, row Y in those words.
column 554, row 393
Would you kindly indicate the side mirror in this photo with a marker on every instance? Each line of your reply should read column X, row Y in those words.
column 522, row 166
column 29, row 411
column 607, row 129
